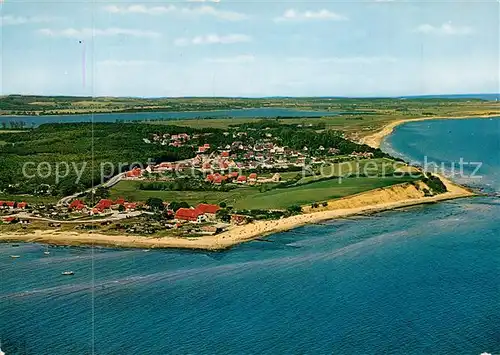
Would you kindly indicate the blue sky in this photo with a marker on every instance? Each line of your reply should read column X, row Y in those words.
column 249, row 48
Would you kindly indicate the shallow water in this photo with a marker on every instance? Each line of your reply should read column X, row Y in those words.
column 423, row 280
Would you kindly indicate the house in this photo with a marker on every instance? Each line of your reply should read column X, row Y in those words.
column 130, row 206
column 10, row 204
column 219, row 179
column 104, row 204
column 22, row 205
column 242, row 179
column 120, row 201
column 77, row 205
column 239, row 219
column 9, row 220
column 224, row 154
column 252, row 177
column 210, row 178
column 233, row 175
column 134, row 173
column 188, row 214
column 209, row 210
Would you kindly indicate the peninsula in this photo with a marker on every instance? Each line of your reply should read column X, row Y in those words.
column 213, row 183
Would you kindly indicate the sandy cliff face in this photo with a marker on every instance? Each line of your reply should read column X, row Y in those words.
column 390, row 194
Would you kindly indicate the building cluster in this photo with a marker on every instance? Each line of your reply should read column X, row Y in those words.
column 174, row 140
column 13, row 205
column 103, row 206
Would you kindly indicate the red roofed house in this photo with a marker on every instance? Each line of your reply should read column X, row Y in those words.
column 242, row 179
column 10, row 204
column 104, row 205
column 208, row 210
column 225, row 154
column 9, row 219
column 130, row 206
column 252, row 177
column 210, row 178
column 135, row 173
column 22, row 205
column 233, row 175
column 189, row 214
column 1, row 204
column 120, row 201
column 218, row 179
column 76, row 205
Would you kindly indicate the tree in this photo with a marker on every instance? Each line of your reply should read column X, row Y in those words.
column 223, row 215
column 155, row 203
column 174, row 206
column 222, row 204
column 121, row 208
column 294, row 209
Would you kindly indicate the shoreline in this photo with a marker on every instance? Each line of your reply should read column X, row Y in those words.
column 375, row 140
column 394, row 197
column 374, row 201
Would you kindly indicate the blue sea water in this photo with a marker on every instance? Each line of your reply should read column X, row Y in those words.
column 145, row 116
column 423, row 280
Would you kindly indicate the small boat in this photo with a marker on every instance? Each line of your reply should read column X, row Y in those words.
column 15, row 245
column 47, row 252
column 15, row 256
column 67, row 273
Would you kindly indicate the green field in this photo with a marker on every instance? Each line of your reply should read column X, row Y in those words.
column 28, row 198
column 252, row 198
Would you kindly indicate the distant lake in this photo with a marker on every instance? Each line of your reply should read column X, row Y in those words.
column 144, row 116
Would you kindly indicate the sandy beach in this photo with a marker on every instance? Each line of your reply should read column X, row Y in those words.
column 375, row 140
column 383, row 199
column 398, row 196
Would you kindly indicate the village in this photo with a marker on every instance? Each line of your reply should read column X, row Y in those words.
column 236, row 159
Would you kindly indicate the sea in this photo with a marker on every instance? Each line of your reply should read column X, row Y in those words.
column 421, row 280
column 170, row 115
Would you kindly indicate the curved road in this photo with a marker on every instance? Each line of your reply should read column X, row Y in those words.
column 110, row 183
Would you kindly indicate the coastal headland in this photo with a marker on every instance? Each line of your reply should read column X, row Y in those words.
column 297, row 198
column 383, row 199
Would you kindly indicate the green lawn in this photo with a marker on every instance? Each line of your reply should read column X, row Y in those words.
column 252, row 198
column 28, row 198
column 370, row 167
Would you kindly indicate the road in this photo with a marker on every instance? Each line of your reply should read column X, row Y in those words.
column 110, row 183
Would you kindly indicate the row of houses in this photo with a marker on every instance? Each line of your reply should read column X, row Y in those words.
column 102, row 206
column 201, row 213
column 13, row 205
column 218, row 179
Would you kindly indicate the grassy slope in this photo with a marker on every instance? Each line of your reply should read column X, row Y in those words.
column 251, row 198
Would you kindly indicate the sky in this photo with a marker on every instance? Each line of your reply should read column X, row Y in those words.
column 249, row 48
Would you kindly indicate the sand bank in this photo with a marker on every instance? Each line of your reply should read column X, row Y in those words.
column 382, row 199
column 375, row 140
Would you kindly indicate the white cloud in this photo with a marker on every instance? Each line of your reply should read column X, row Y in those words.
column 125, row 63
column 325, row 15
column 342, row 60
column 213, row 39
column 239, row 59
column 140, row 9
column 447, row 29
column 9, row 20
column 89, row 32
column 204, row 10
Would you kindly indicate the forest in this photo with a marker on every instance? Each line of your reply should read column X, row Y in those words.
column 119, row 146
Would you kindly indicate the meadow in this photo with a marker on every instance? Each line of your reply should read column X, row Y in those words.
column 253, row 198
